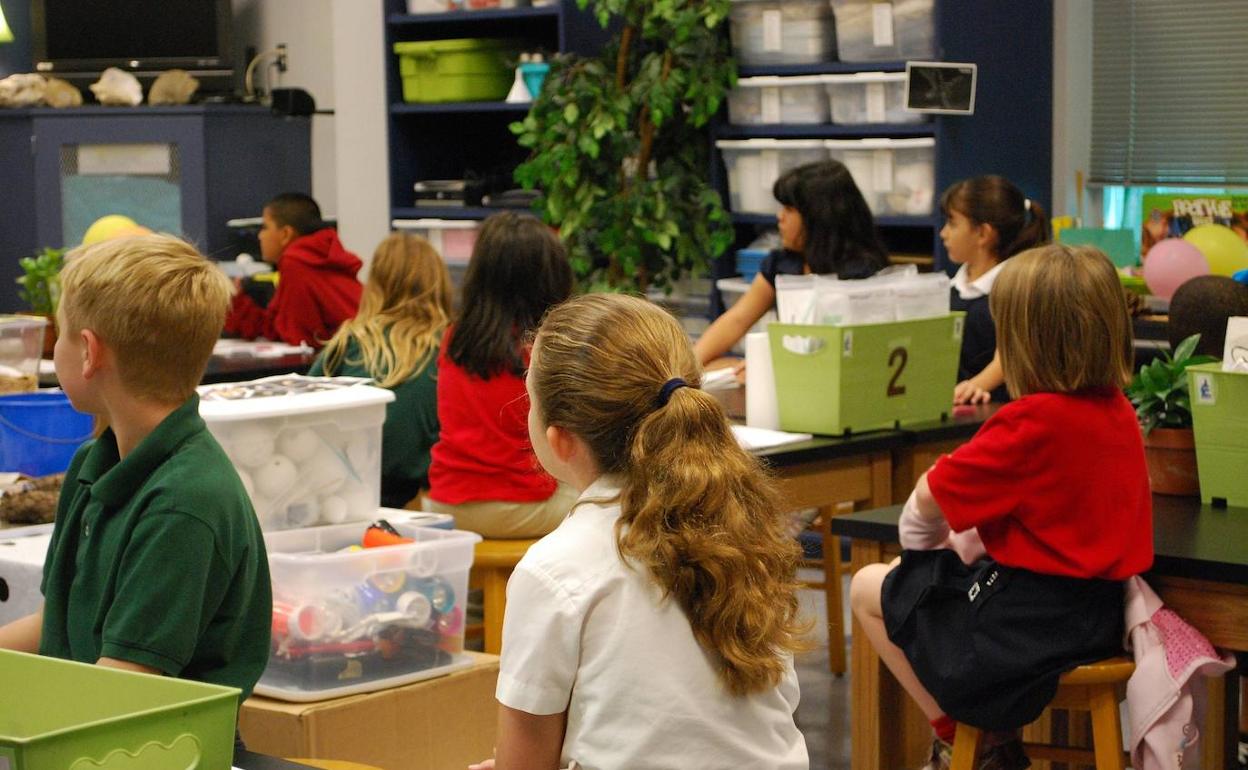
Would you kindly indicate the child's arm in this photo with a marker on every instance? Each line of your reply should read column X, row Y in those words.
column 126, row 665
column 23, row 634
column 922, row 527
column 978, row 389
column 529, row 741
column 735, row 322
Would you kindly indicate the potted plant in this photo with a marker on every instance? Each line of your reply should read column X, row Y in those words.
column 41, row 289
column 1163, row 406
column 618, row 145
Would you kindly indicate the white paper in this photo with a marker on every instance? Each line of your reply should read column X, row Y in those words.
column 720, row 379
column 771, row 30
column 771, row 104
column 761, row 409
column 875, row 103
column 1235, row 353
column 761, row 438
column 882, row 23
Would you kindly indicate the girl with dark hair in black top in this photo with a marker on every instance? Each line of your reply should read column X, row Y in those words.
column 826, row 228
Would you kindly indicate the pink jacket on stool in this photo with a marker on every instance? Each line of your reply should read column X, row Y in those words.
column 1166, row 694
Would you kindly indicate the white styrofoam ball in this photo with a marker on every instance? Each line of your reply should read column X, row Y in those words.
column 323, row 473
column 275, row 477
column 360, row 450
column 299, row 444
column 333, row 509
column 304, row 512
column 251, row 445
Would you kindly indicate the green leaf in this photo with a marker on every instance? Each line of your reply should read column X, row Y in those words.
column 571, row 113
column 1186, row 348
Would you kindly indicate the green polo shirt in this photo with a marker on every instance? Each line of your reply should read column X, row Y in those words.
column 158, row 559
column 410, row 430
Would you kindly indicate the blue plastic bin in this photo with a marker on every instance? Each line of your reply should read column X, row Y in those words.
column 39, row 432
column 748, row 261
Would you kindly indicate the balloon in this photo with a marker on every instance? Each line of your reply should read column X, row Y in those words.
column 1225, row 251
column 1171, row 263
column 108, row 227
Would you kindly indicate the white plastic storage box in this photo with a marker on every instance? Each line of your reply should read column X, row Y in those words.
column 754, row 165
column 308, row 449
column 348, row 619
column 454, row 239
column 896, row 176
column 863, row 98
column 769, row 100
column 782, row 32
column 867, row 30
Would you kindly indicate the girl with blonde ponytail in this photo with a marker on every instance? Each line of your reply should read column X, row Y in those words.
column 655, row 627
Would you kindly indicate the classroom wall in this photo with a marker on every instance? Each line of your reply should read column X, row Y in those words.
column 1072, row 107
column 303, row 25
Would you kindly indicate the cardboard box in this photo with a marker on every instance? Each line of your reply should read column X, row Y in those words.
column 436, row 724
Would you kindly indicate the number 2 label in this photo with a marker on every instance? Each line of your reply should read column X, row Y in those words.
column 897, row 358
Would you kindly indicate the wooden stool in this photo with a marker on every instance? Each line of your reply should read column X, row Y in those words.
column 333, row 764
column 492, row 563
column 1094, row 688
column 833, row 570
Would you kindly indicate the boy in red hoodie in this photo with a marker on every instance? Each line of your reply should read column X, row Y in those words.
column 318, row 289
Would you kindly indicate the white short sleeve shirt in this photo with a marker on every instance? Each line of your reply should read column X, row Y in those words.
column 587, row 634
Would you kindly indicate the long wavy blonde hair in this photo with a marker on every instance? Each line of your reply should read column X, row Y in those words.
column 408, row 300
column 698, row 512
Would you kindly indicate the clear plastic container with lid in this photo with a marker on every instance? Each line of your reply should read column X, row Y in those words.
column 782, row 32
column 864, row 98
column 308, row 449
column 21, row 346
column 349, row 619
column 769, row 100
column 867, row 30
column 754, row 165
column 896, row 176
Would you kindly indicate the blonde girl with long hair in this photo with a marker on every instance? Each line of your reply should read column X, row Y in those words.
column 655, row 627
column 405, row 308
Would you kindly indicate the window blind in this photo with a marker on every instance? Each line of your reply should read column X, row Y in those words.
column 1170, row 92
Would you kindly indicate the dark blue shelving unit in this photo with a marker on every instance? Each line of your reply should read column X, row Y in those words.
column 822, row 68
column 451, row 108
column 823, row 131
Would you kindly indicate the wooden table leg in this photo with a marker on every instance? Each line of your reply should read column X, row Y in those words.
column 832, row 593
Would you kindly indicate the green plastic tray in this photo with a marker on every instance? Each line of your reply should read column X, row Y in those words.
column 865, row 377
column 60, row 715
column 461, row 70
column 1220, row 425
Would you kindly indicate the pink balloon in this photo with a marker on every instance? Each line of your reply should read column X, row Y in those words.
column 1171, row 263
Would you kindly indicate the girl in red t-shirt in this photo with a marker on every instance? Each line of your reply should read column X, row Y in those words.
column 1055, row 487
column 483, row 470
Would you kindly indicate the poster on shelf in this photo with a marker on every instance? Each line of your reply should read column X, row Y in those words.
column 1171, row 216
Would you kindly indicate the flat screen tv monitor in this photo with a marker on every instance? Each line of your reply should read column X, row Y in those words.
column 79, row 39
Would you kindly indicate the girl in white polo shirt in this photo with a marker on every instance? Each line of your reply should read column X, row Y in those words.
column 987, row 221
column 655, row 627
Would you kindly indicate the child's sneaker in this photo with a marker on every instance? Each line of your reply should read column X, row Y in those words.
column 941, row 758
column 1002, row 756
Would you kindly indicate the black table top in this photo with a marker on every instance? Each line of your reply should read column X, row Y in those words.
column 1189, row 539
column 240, row 368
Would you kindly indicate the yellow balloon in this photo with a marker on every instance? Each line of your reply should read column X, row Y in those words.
column 1225, row 251
column 108, row 227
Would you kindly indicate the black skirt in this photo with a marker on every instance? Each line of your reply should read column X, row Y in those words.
column 988, row 641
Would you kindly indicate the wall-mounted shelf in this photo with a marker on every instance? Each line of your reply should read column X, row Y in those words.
column 822, row 68
column 468, row 17
column 823, row 131
column 403, row 108
column 751, row 218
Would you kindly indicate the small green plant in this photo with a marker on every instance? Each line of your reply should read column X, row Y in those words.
column 41, row 284
column 1159, row 389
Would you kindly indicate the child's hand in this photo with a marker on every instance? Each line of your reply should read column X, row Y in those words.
column 483, row 765
column 238, row 284
column 967, row 392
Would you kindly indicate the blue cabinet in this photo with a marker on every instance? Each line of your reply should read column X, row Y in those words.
column 178, row 169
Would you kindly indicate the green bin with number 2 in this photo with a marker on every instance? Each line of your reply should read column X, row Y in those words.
column 840, row 379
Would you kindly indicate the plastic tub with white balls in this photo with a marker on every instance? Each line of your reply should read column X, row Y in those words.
column 308, row 449
column 348, row 619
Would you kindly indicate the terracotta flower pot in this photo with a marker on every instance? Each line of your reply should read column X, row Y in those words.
column 1171, row 457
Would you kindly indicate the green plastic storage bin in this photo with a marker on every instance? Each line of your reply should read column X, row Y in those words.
column 1220, row 424
column 865, row 377
column 464, row 70
column 60, row 715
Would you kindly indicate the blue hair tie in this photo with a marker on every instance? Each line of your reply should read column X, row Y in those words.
column 669, row 387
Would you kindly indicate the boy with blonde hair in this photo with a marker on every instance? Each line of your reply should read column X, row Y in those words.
column 156, row 562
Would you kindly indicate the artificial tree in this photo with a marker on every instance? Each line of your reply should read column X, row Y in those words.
column 619, row 148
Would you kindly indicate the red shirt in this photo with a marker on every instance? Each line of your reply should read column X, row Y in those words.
column 483, row 450
column 317, row 291
column 1056, row 484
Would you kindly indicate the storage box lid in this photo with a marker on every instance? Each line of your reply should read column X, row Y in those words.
column 434, row 224
column 776, row 81
column 457, row 45
column 879, row 143
column 769, row 144
column 286, row 394
column 20, row 323
column 864, row 77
